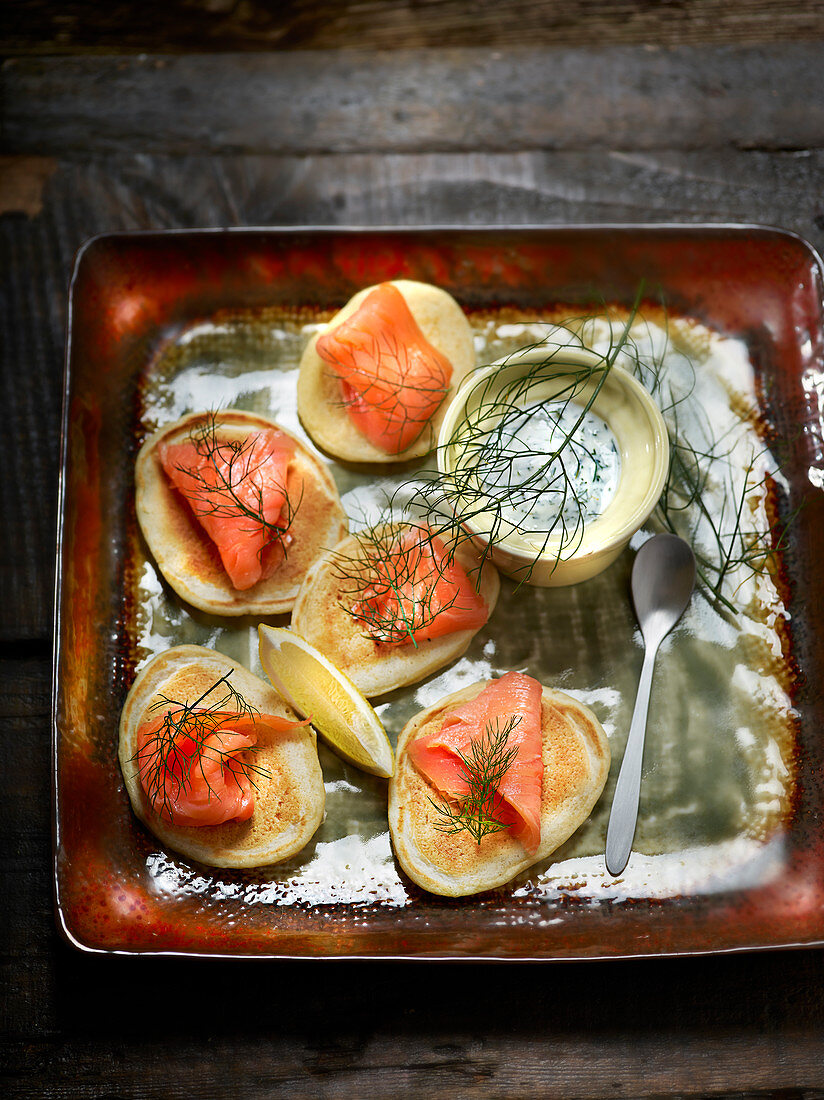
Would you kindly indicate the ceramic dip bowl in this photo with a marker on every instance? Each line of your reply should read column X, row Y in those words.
column 525, row 538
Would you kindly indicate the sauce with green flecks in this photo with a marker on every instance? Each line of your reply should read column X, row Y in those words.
column 551, row 465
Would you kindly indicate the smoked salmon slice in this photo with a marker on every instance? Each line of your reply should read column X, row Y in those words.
column 237, row 491
column 512, row 702
column 393, row 379
column 415, row 592
column 202, row 780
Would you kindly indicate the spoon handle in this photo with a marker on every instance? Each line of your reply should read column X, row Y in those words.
column 624, row 813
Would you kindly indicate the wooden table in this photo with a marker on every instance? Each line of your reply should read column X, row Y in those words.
column 589, row 122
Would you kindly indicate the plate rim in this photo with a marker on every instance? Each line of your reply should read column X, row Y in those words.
column 703, row 228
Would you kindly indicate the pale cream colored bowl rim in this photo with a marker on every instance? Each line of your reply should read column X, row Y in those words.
column 640, row 431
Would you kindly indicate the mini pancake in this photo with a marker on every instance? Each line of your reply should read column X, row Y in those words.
column 188, row 558
column 321, row 406
column 576, row 757
column 376, row 667
column 290, row 796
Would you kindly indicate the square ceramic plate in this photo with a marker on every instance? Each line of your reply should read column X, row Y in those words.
column 730, row 850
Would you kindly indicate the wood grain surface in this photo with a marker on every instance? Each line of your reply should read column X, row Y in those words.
column 413, row 101
column 731, row 132
column 43, row 26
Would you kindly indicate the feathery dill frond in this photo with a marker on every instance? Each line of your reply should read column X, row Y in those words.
column 230, row 484
column 173, row 752
column 483, row 768
column 399, row 580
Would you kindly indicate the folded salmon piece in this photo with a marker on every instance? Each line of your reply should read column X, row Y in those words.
column 393, row 379
column 514, row 702
column 237, row 492
column 196, row 779
column 417, row 592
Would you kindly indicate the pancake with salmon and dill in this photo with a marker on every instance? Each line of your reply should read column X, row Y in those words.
column 216, row 764
column 394, row 603
column 235, row 510
column 375, row 382
column 491, row 780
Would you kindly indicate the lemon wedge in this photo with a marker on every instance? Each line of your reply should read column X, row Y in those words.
column 322, row 693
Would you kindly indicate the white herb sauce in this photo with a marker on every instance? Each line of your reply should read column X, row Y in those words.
column 535, row 490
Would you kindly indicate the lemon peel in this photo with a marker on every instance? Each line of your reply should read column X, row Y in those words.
column 319, row 691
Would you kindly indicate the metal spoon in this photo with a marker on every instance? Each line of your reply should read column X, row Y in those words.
column 663, row 577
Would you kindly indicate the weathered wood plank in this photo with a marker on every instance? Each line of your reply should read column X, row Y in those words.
column 466, row 1063
column 138, row 192
column 48, row 27
column 419, row 101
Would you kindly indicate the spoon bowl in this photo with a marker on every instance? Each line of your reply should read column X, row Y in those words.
column 663, row 577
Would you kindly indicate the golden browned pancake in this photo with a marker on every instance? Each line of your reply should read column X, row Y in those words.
column 376, row 667
column 188, row 558
column 321, row 407
column 576, row 759
column 289, row 796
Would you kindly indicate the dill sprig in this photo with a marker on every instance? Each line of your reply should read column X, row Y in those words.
column 173, row 753
column 483, row 768
column 228, row 488
column 723, row 539
column 389, row 583
column 712, row 493
column 486, row 482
